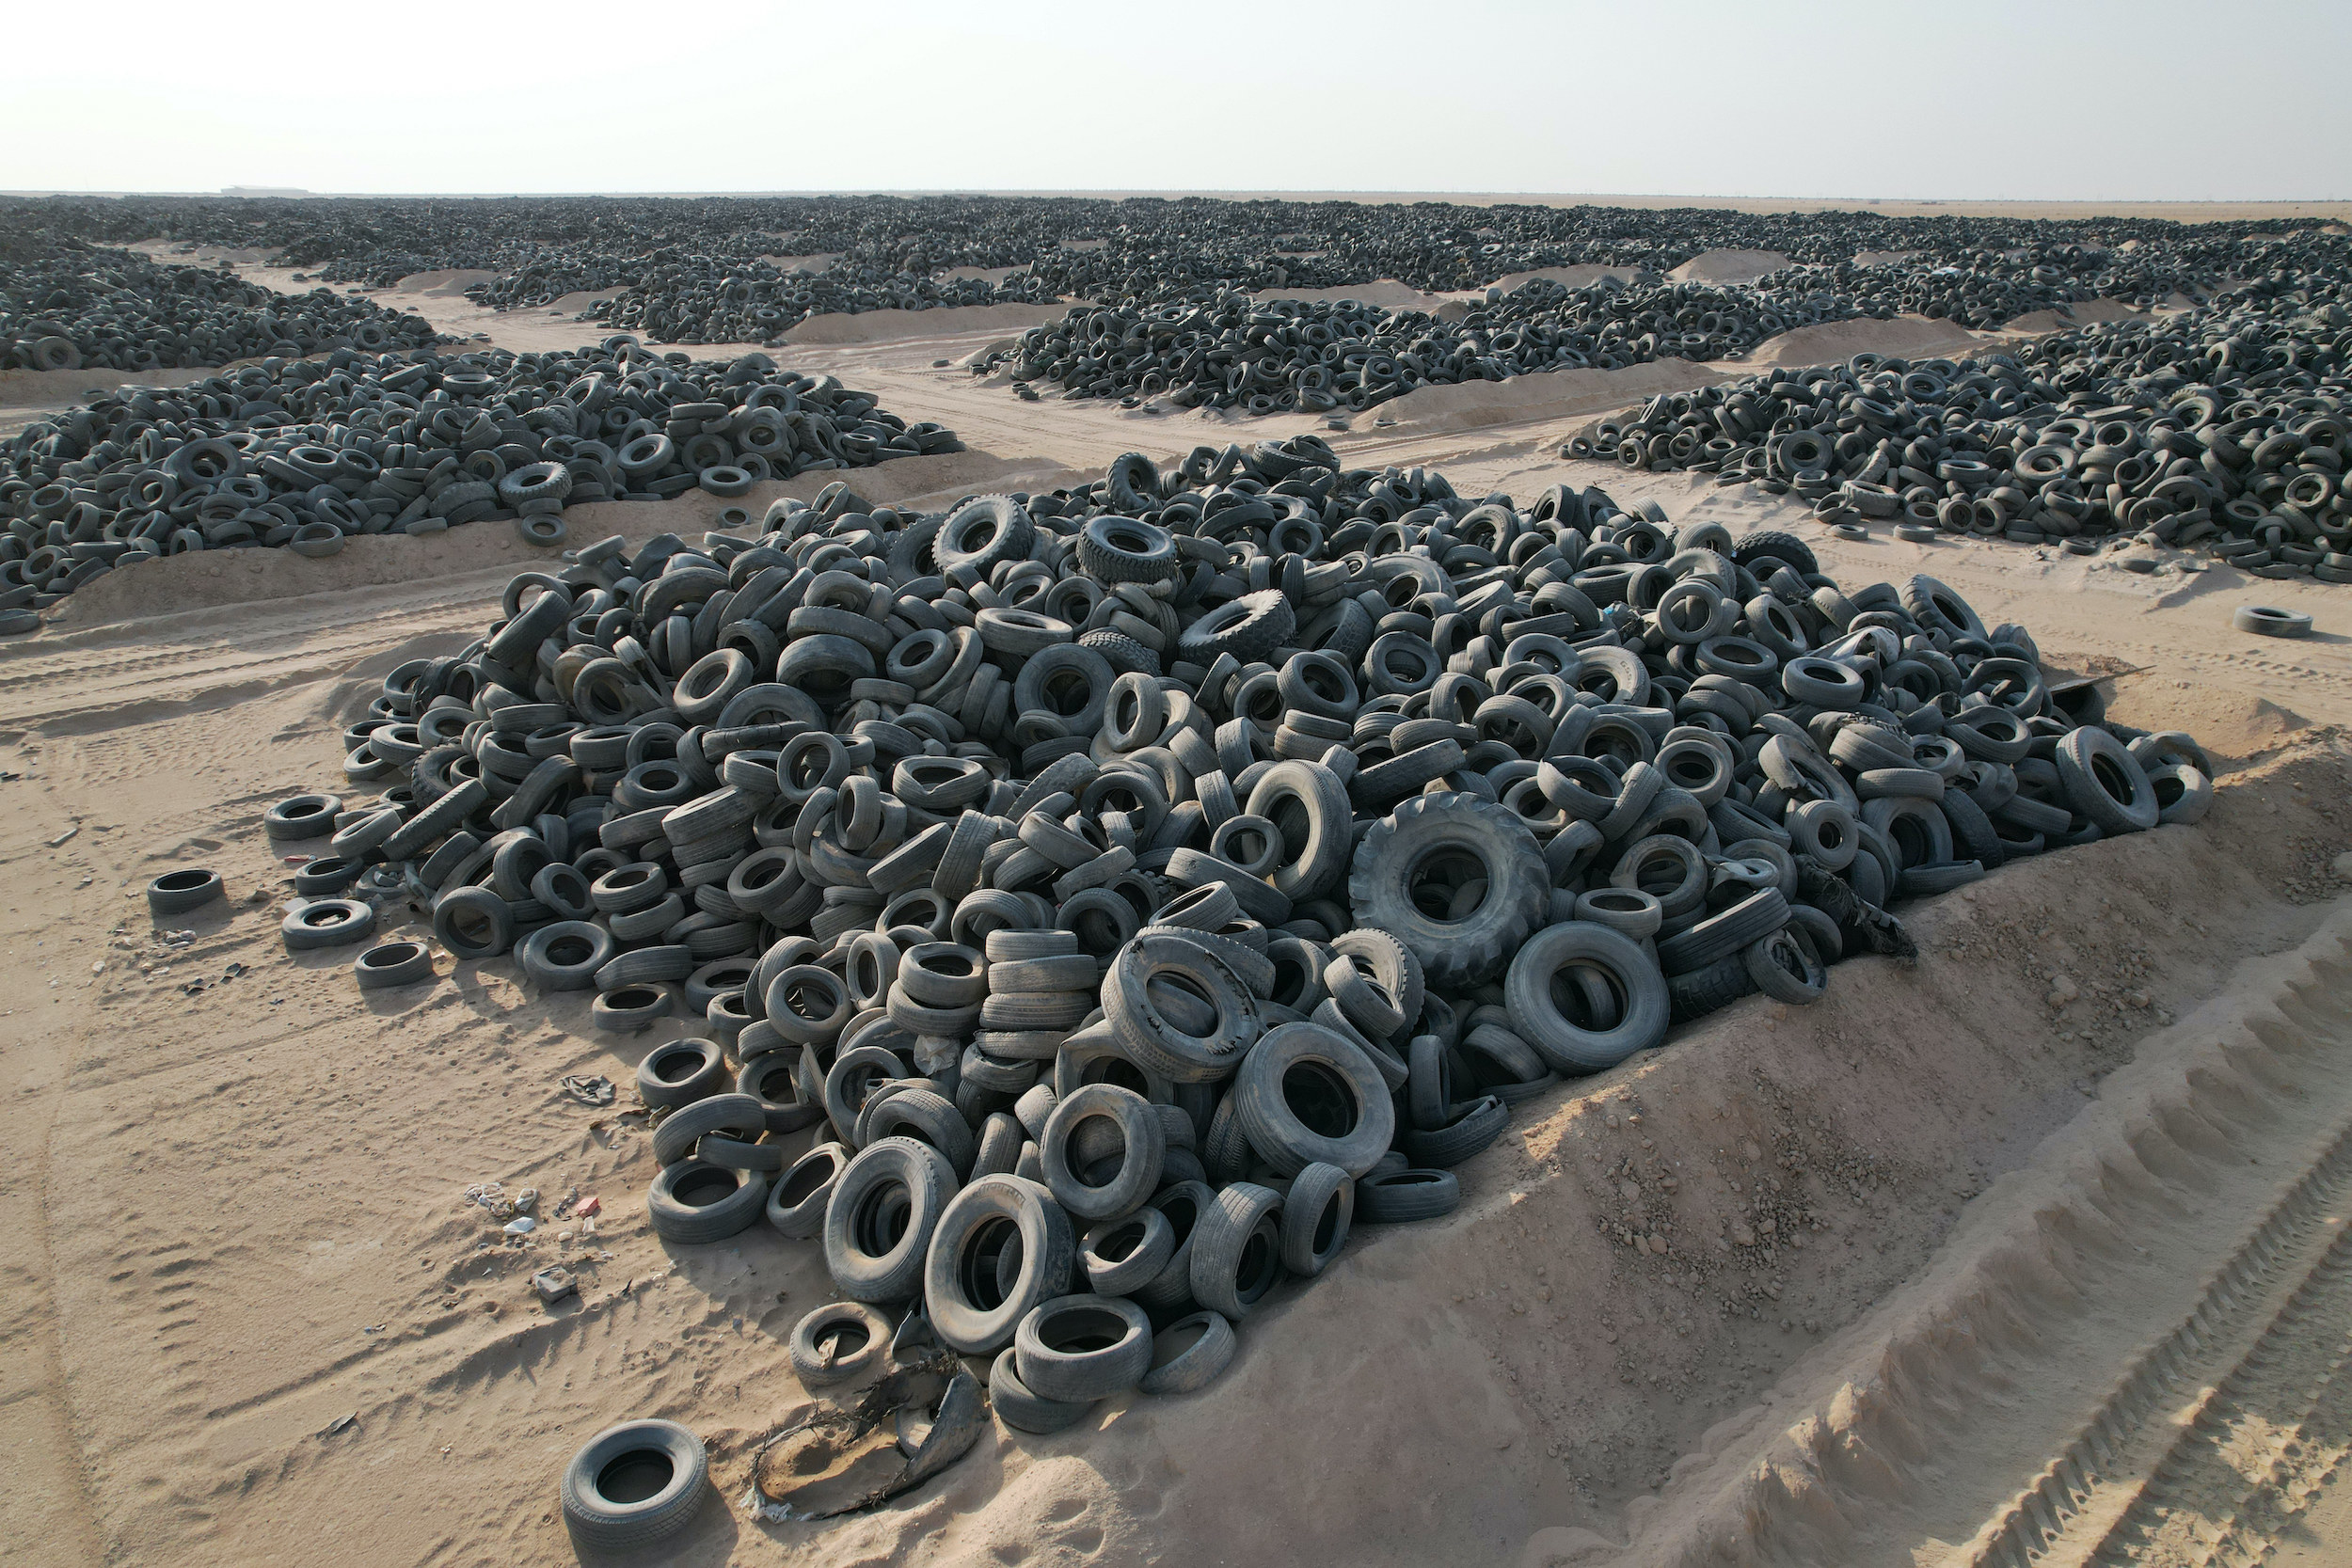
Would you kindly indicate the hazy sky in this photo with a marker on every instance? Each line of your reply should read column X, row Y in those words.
column 2048, row 99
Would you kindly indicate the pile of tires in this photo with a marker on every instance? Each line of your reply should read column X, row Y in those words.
column 2224, row 427
column 1228, row 350
column 75, row 307
column 1083, row 908
column 304, row 454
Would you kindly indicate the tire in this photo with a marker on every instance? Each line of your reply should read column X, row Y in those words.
column 178, row 892
column 630, row 1009
column 1237, row 1249
column 1479, row 1124
column 2264, row 620
column 1145, row 1146
column 866, row 1262
column 1248, row 628
column 694, row 1202
column 1315, row 1217
column 729, row 1114
column 1405, row 1196
column 797, row 1203
column 328, row 923
column 2184, row 793
column 1782, row 546
column 1308, row 803
column 2095, row 766
column 928, row 1116
column 1787, row 967
column 1114, row 549
column 616, row 1496
column 1180, row 1368
column 681, row 1073
column 1183, row 1202
column 1023, row 1411
column 973, row 1310
column 474, row 923
column 301, row 817
column 1376, row 981
column 1535, row 1017
column 1936, row 608
column 1343, row 1087
column 820, row 1360
column 1058, row 1353
column 1153, row 1040
column 1706, row 990
column 1972, row 837
column 762, row 1076
column 566, row 954
column 1486, row 842
column 389, row 964
column 1122, row 1256
column 1721, row 936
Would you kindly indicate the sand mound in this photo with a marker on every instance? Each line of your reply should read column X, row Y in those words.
column 986, row 274
column 883, row 326
column 1728, row 266
column 442, row 284
column 1385, row 292
column 1835, row 343
column 815, row 261
column 1546, row 395
column 2059, row 318
column 1882, row 257
column 213, row 578
column 1581, row 276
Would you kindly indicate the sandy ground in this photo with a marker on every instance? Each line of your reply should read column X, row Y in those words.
column 1923, row 1245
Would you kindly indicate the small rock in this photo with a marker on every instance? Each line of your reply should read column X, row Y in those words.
column 2063, row 991
column 1742, row 1236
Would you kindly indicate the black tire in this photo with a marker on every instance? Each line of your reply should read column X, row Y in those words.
column 1380, row 987
column 1725, row 934
column 566, row 954
column 797, row 1203
column 866, row 1261
column 1477, row 1126
column 1122, row 550
column 1308, row 804
column 388, row 964
column 1972, row 830
column 1022, row 1410
column 839, row 1343
column 178, row 892
column 973, row 1310
column 328, row 923
column 1153, row 1040
column 1184, row 1203
column 1787, row 967
column 1122, row 1256
column 1237, row 1249
column 736, row 1115
column 1082, row 1348
column 1305, row 1095
column 1248, row 628
column 301, row 817
column 2264, row 620
column 1705, row 991
column 474, row 923
column 694, row 1202
column 1936, row 608
column 1616, row 960
column 1484, row 841
column 1182, row 1367
column 633, row 1486
column 1144, row 1145
column 931, row 1117
column 1788, row 548
column 681, row 1073
column 1405, row 1196
column 1315, row 1217
column 2105, row 782
column 773, row 1080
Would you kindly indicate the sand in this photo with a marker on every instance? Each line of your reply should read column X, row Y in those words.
column 242, row 1206
column 1728, row 266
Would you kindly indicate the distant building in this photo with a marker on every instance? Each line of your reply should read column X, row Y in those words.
column 263, row 190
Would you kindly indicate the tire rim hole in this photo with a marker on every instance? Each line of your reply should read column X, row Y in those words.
column 1320, row 1099
column 635, row 1476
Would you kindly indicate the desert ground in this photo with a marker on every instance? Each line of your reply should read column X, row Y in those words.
column 2034, row 1244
